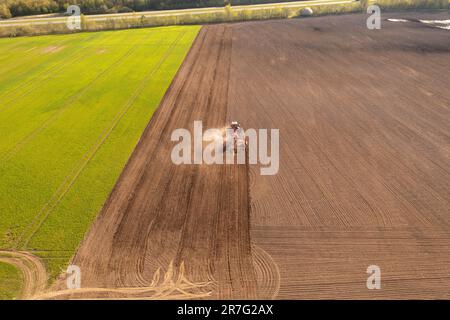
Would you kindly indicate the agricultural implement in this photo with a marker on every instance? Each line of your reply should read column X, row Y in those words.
column 238, row 139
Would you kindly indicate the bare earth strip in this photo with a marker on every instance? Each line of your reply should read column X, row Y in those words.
column 364, row 170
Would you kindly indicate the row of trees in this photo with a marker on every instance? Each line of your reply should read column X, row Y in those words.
column 15, row 8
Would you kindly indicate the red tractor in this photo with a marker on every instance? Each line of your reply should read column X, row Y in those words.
column 238, row 136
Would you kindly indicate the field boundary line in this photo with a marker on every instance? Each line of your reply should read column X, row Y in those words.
column 58, row 196
column 10, row 152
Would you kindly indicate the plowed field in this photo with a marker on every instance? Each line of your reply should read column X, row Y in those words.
column 364, row 170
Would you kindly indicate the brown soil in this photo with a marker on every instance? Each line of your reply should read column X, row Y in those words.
column 364, row 148
column 364, row 169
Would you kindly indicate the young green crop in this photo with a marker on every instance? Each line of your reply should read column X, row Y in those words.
column 72, row 108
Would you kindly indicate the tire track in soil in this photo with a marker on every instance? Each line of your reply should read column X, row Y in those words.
column 32, row 268
column 172, row 285
column 193, row 215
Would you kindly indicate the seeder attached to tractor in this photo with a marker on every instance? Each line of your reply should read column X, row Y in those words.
column 238, row 137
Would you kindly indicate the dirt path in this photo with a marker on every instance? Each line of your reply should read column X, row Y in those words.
column 32, row 268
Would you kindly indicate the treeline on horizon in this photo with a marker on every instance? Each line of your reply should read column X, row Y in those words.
column 17, row 8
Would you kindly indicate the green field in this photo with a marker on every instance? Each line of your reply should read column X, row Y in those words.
column 10, row 281
column 72, row 108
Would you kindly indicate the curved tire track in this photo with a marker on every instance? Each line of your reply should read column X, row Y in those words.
column 268, row 276
column 32, row 268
